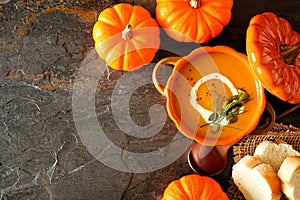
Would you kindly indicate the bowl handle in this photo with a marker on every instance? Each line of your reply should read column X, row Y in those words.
column 157, row 83
column 267, row 120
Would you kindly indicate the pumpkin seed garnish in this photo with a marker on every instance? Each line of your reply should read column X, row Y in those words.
column 229, row 111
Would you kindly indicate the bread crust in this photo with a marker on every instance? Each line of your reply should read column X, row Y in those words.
column 289, row 167
column 289, row 174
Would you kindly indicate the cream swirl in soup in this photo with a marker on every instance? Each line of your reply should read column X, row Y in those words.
column 205, row 113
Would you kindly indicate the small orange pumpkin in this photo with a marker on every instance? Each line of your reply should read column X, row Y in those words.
column 194, row 187
column 193, row 20
column 126, row 37
column 273, row 51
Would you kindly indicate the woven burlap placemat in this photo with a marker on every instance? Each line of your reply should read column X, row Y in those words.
column 247, row 145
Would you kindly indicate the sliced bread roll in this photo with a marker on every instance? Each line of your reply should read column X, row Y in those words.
column 273, row 153
column 289, row 173
column 256, row 180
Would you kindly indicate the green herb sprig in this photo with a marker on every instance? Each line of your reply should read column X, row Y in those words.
column 229, row 111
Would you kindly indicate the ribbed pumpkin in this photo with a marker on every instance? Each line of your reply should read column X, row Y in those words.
column 193, row 20
column 126, row 37
column 194, row 187
column 273, row 50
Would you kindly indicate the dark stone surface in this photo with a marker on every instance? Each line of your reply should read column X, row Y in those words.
column 43, row 46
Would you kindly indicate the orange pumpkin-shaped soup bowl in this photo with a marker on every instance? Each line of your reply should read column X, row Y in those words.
column 213, row 97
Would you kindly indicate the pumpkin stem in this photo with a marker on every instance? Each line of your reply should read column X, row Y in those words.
column 290, row 53
column 127, row 33
column 195, row 3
